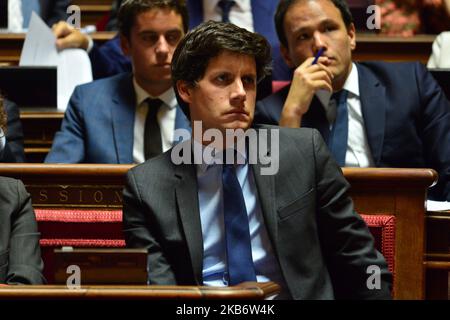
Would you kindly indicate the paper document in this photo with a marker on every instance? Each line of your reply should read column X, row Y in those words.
column 73, row 65
column 438, row 205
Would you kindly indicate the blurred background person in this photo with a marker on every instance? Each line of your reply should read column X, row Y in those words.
column 11, row 134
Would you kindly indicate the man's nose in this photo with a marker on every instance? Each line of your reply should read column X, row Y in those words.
column 162, row 47
column 319, row 42
column 238, row 94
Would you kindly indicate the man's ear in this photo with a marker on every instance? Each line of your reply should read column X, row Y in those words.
column 184, row 90
column 351, row 32
column 125, row 45
column 285, row 54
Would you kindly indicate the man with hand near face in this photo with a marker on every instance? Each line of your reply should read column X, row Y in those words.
column 225, row 222
column 371, row 114
column 130, row 117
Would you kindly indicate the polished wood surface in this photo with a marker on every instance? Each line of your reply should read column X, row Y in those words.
column 11, row 45
column 368, row 47
column 437, row 259
column 71, row 185
column 39, row 128
column 247, row 290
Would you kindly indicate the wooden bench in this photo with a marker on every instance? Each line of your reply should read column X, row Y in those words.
column 399, row 193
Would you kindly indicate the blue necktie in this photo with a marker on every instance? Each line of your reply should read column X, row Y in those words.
column 337, row 141
column 237, row 232
column 28, row 6
column 226, row 5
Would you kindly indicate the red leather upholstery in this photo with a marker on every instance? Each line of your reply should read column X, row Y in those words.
column 278, row 85
column 382, row 228
column 77, row 228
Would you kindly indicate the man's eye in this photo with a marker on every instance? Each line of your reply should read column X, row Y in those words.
column 222, row 78
column 149, row 38
column 249, row 80
column 173, row 38
column 303, row 36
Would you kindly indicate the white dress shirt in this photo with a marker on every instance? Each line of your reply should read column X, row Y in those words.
column 358, row 150
column 2, row 141
column 166, row 120
column 210, row 198
column 15, row 19
column 240, row 13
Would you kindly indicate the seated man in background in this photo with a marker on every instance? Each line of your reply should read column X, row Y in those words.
column 208, row 223
column 11, row 135
column 379, row 115
column 129, row 117
column 20, row 253
column 254, row 15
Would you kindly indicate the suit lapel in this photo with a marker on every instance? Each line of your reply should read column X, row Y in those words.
column 122, row 112
column 373, row 98
column 186, row 194
column 265, row 185
column 316, row 118
column 259, row 10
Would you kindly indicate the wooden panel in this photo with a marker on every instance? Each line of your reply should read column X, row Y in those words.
column 11, row 45
column 438, row 255
column 369, row 47
column 39, row 128
column 248, row 290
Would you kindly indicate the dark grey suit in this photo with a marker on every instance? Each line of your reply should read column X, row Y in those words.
column 323, row 247
column 20, row 255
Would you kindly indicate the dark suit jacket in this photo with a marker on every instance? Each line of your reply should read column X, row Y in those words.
column 98, row 125
column 13, row 151
column 53, row 11
column 323, row 247
column 20, row 256
column 406, row 115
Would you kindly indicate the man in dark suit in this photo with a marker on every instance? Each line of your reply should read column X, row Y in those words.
column 129, row 117
column 20, row 257
column 52, row 11
column 392, row 114
column 11, row 134
column 208, row 223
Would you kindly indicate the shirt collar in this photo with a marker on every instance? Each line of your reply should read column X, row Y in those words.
column 241, row 158
column 351, row 85
column 168, row 97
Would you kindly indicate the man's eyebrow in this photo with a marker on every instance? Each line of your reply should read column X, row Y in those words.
column 311, row 27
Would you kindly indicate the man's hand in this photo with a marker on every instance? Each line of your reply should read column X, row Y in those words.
column 306, row 81
column 69, row 37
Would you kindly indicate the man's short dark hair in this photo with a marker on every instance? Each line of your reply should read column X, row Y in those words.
column 284, row 6
column 131, row 8
column 208, row 40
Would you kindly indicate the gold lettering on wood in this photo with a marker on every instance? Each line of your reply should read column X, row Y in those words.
column 43, row 196
column 63, row 196
column 98, row 196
